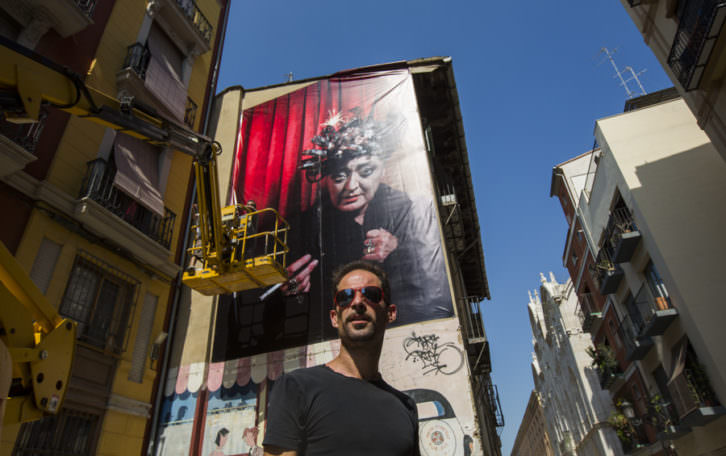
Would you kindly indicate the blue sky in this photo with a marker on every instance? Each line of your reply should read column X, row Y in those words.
column 531, row 86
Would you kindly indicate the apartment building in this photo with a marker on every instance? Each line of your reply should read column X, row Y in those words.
column 686, row 38
column 97, row 217
column 532, row 436
column 228, row 350
column 644, row 251
column 575, row 408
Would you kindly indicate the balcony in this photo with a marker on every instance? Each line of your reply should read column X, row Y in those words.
column 622, row 235
column 495, row 405
column 17, row 144
column 66, row 17
column 473, row 331
column 190, row 113
column 656, row 311
column 98, row 185
column 699, row 26
column 587, row 313
column 636, row 346
column 184, row 22
column 611, row 379
column 147, row 80
column 609, row 274
column 693, row 398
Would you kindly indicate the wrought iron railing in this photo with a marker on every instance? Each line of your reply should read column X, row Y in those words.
column 620, row 221
column 691, row 389
column 26, row 135
column 196, row 18
column 472, row 320
column 87, row 6
column 494, row 404
column 190, row 113
column 137, row 59
column 586, row 311
column 699, row 24
column 628, row 331
column 98, row 186
column 648, row 304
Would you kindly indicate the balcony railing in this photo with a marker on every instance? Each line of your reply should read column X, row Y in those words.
column 196, row 18
column 87, row 6
column 699, row 25
column 636, row 346
column 692, row 396
column 586, row 311
column 622, row 235
column 656, row 311
column 608, row 274
column 98, row 186
column 26, row 135
column 495, row 405
column 137, row 59
column 190, row 113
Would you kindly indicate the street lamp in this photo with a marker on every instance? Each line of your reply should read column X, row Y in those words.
column 629, row 412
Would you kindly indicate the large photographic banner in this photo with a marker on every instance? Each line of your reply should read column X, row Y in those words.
column 344, row 161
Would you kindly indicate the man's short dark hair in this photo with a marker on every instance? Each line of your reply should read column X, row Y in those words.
column 365, row 266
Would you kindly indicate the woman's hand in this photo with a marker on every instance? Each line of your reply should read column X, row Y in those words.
column 378, row 245
column 300, row 282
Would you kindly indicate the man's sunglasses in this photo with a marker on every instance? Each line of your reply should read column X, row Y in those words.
column 372, row 294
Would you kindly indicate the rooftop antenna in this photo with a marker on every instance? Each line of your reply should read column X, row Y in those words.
column 619, row 74
column 289, row 77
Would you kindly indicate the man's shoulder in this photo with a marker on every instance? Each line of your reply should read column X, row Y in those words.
column 306, row 374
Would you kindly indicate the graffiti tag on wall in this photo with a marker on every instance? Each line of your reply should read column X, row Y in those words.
column 433, row 357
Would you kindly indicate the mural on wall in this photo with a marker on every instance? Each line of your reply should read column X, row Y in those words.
column 343, row 159
column 236, row 392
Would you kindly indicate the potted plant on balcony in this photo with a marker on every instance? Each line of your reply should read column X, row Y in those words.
column 603, row 358
column 621, row 420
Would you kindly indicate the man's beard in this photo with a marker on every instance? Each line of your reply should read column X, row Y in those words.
column 354, row 338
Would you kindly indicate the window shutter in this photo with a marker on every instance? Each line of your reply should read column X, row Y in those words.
column 143, row 336
column 44, row 264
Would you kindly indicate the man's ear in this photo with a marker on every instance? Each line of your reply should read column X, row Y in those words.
column 334, row 318
column 392, row 312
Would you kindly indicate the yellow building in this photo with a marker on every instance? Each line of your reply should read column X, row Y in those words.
column 96, row 217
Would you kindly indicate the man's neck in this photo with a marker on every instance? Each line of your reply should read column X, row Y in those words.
column 358, row 363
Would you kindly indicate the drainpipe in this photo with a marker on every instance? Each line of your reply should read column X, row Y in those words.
column 152, row 447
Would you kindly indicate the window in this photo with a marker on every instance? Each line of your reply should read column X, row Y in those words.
column 100, row 299
column 69, row 432
column 657, row 287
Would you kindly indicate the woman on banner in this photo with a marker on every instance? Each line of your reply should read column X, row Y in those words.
column 360, row 217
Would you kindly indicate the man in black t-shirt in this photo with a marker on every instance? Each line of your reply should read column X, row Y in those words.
column 344, row 407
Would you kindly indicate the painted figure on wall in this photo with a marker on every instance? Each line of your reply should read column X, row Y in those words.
column 220, row 441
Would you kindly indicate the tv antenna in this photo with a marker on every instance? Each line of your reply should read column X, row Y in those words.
column 623, row 76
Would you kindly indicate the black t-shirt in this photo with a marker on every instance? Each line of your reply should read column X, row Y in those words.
column 317, row 411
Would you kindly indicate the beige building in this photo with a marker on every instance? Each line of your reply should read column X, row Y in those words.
column 532, row 437
column 685, row 37
column 645, row 253
column 575, row 407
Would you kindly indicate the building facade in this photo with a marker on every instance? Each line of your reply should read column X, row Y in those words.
column 97, row 217
column 228, row 351
column 576, row 409
column 532, row 437
column 644, row 252
column 686, row 38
